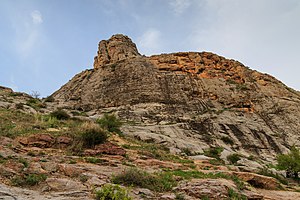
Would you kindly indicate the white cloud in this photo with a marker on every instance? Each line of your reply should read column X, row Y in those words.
column 150, row 42
column 179, row 6
column 36, row 17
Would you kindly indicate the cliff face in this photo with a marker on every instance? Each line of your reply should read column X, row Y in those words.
column 187, row 100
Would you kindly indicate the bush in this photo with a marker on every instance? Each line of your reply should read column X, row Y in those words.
column 112, row 192
column 110, row 122
column 290, row 162
column 35, row 103
column 60, row 114
column 29, row 180
column 92, row 134
column 135, row 177
column 233, row 158
column 49, row 99
column 235, row 196
column 214, row 152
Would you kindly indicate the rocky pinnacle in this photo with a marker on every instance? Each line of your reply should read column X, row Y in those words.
column 118, row 47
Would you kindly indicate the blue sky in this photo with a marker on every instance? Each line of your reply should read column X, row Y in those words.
column 44, row 43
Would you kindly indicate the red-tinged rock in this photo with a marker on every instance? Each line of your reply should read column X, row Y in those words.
column 14, row 165
column 106, row 148
column 258, row 181
column 70, row 170
column 37, row 140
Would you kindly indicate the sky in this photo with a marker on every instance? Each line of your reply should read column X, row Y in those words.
column 44, row 43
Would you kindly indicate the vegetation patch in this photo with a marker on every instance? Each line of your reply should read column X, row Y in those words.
column 234, row 158
column 112, row 192
column 94, row 160
column 92, row 134
column 214, row 152
column 35, row 103
column 290, row 162
column 159, row 182
column 60, row 114
column 197, row 174
column 110, row 122
column 156, row 151
column 28, row 180
column 233, row 195
column 14, row 123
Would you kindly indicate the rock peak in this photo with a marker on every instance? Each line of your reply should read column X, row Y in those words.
column 118, row 47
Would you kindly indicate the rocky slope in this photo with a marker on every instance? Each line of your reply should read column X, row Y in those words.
column 187, row 100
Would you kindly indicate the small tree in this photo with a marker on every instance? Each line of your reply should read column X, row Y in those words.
column 35, row 94
column 290, row 162
column 110, row 122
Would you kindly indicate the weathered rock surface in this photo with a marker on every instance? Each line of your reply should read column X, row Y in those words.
column 209, row 188
column 188, row 100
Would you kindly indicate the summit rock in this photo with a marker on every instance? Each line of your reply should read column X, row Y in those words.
column 118, row 47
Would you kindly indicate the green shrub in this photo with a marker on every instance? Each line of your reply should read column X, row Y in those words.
column 110, row 122
column 233, row 158
column 60, row 114
column 34, row 179
column 214, row 152
column 187, row 151
column 24, row 162
column 28, row 180
column 290, row 162
column 49, row 99
column 216, row 162
column 135, row 177
column 92, row 134
column 47, row 121
column 35, row 103
column 233, row 195
column 112, row 192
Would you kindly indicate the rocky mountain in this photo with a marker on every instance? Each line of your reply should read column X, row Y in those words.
column 185, row 125
column 187, row 100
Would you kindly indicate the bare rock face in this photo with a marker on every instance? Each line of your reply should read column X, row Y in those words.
column 188, row 100
column 118, row 47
